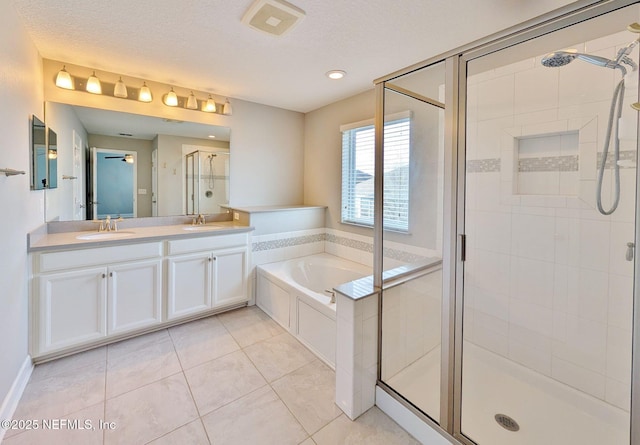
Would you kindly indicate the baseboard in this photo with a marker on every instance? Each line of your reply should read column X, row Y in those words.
column 409, row 421
column 10, row 402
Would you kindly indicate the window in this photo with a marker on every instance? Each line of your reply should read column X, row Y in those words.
column 358, row 141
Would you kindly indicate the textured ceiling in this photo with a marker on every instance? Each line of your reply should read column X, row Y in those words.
column 202, row 44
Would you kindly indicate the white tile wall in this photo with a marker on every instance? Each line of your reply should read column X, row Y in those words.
column 546, row 280
column 356, row 354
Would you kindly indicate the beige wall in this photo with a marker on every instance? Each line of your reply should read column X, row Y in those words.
column 323, row 154
column 267, row 155
column 143, row 168
column 23, row 209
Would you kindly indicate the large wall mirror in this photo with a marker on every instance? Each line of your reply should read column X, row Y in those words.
column 129, row 165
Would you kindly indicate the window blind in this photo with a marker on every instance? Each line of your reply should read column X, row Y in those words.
column 358, row 157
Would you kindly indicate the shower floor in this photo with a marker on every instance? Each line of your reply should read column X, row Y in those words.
column 548, row 412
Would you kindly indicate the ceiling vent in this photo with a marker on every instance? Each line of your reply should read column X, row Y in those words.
column 275, row 17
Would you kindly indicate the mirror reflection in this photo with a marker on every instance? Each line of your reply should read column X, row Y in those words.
column 52, row 159
column 38, row 154
column 128, row 165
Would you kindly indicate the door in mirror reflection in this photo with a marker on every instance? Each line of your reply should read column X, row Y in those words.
column 114, row 183
column 38, row 154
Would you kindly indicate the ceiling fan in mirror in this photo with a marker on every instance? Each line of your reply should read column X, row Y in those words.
column 126, row 158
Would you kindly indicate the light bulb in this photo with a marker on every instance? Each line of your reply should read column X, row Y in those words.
column 120, row 89
column 210, row 105
column 145, row 93
column 192, row 102
column 171, row 99
column 63, row 79
column 93, row 84
column 226, row 108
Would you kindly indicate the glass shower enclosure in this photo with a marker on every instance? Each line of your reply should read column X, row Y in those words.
column 206, row 182
column 507, row 308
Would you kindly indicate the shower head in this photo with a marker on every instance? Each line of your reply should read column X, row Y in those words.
column 562, row 58
column 559, row 58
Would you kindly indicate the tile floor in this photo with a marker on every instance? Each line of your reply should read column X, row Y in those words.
column 234, row 378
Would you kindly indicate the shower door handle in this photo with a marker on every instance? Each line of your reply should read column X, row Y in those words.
column 630, row 251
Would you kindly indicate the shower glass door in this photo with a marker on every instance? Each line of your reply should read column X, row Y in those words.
column 412, row 238
column 548, row 278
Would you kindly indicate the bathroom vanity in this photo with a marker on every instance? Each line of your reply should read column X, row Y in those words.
column 88, row 292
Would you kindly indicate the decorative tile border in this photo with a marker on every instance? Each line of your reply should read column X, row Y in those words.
column 630, row 155
column 483, row 165
column 393, row 253
column 348, row 242
column 549, row 164
column 569, row 163
column 287, row 242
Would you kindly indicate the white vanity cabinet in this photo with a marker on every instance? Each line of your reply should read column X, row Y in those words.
column 85, row 295
column 206, row 273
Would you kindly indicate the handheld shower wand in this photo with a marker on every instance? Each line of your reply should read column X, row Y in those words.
column 562, row 58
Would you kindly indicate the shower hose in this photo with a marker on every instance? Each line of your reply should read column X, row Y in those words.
column 616, row 109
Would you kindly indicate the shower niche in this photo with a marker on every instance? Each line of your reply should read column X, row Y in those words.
column 555, row 161
column 548, row 164
column 206, row 182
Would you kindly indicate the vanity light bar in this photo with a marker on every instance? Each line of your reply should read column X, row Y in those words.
column 118, row 89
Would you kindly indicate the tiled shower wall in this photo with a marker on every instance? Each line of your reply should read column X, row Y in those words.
column 546, row 281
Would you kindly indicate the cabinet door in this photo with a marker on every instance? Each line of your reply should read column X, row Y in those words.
column 189, row 284
column 230, row 276
column 72, row 308
column 135, row 295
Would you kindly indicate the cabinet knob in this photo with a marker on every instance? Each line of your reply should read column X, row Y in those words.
column 104, row 275
column 215, row 258
column 210, row 259
column 111, row 274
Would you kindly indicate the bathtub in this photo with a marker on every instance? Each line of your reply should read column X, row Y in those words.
column 296, row 294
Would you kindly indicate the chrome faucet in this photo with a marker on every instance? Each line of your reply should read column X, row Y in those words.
column 107, row 225
column 114, row 225
column 201, row 219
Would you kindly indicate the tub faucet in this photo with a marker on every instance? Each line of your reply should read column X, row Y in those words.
column 333, row 295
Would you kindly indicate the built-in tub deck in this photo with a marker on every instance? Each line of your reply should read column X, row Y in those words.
column 297, row 294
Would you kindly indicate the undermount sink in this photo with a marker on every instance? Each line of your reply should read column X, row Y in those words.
column 200, row 227
column 104, row 235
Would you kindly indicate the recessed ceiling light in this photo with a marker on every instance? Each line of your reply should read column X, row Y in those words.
column 336, row 74
column 212, row 136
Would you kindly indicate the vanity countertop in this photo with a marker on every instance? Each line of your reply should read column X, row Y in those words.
column 85, row 239
column 273, row 208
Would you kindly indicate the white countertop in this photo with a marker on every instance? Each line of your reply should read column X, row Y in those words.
column 264, row 209
column 67, row 240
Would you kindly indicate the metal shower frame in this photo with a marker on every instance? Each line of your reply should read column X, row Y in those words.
column 449, row 424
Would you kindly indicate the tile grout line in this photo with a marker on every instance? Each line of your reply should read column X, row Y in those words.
column 104, row 400
column 283, row 376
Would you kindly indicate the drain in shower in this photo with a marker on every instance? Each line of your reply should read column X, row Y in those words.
column 507, row 422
